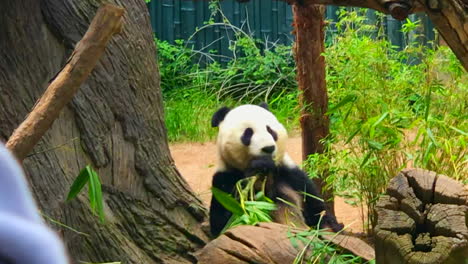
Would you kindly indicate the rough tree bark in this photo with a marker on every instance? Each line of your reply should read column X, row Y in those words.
column 422, row 219
column 308, row 49
column 115, row 122
column 106, row 23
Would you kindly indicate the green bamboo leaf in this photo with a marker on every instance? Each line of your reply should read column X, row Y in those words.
column 376, row 123
column 95, row 193
column 458, row 130
column 365, row 160
column 431, row 136
column 312, row 196
column 292, row 237
column 261, row 205
column 263, row 217
column 227, row 201
column 78, row 184
column 347, row 99
column 354, row 133
column 98, row 194
column 243, row 220
column 88, row 175
column 233, row 221
column 91, row 189
column 375, row 145
column 428, row 153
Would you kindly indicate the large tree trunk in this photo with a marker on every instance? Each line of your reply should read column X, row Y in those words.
column 308, row 49
column 115, row 122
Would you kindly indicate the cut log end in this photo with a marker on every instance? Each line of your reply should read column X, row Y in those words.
column 422, row 219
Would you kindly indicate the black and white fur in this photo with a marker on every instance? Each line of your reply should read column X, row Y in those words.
column 252, row 141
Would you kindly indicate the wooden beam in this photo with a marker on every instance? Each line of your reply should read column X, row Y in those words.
column 450, row 17
column 106, row 23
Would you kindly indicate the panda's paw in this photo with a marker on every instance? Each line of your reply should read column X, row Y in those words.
column 329, row 221
column 262, row 165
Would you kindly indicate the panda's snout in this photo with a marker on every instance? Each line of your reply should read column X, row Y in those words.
column 268, row 149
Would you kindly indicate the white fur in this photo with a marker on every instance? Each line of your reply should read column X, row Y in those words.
column 235, row 154
column 288, row 161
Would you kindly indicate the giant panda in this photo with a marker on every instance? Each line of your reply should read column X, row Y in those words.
column 252, row 141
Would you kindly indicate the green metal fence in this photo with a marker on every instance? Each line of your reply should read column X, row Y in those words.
column 266, row 20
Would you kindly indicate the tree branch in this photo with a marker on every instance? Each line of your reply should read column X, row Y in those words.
column 451, row 20
column 106, row 23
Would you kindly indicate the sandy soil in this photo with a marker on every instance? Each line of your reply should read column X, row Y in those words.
column 196, row 162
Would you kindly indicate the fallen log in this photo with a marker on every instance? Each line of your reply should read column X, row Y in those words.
column 422, row 218
column 268, row 243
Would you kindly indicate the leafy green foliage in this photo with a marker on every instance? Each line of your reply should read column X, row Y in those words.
column 227, row 201
column 255, row 71
column 192, row 93
column 194, row 84
column 314, row 248
column 188, row 115
column 386, row 114
column 90, row 176
column 250, row 208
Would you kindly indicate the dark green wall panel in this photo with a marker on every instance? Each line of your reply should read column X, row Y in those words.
column 265, row 19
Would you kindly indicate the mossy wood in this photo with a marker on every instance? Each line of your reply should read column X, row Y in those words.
column 422, row 218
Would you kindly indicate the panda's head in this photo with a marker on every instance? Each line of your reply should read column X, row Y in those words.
column 247, row 132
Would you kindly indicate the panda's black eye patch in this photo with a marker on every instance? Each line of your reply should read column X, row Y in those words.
column 247, row 136
column 272, row 132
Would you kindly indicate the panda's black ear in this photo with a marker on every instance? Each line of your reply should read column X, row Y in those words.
column 264, row 105
column 218, row 117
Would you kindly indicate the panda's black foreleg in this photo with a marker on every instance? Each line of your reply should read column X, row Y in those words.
column 219, row 216
column 313, row 206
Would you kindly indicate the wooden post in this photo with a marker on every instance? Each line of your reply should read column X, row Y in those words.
column 309, row 46
column 422, row 219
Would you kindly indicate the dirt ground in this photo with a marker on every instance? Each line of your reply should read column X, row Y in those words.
column 196, row 162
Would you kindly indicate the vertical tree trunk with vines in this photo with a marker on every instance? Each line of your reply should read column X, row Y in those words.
column 309, row 46
column 115, row 122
